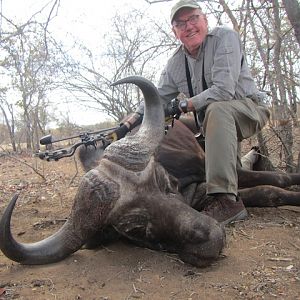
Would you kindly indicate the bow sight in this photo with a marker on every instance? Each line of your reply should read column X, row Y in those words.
column 86, row 138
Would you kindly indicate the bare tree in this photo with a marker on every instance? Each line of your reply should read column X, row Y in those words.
column 7, row 110
column 133, row 47
column 292, row 8
column 33, row 67
column 25, row 61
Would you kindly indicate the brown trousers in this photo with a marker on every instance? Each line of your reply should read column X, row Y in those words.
column 226, row 123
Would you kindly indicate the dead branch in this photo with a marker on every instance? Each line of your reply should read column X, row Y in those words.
column 76, row 173
column 23, row 162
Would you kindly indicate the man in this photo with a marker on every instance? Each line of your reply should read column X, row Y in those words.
column 211, row 69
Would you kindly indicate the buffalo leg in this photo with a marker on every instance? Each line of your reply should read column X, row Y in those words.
column 248, row 178
column 268, row 196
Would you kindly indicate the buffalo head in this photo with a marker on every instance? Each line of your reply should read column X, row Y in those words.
column 130, row 191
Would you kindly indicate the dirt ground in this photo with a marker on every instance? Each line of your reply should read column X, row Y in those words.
column 260, row 261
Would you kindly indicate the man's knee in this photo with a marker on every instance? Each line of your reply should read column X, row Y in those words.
column 217, row 113
column 220, row 107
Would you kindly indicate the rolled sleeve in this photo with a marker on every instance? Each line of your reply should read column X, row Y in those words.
column 167, row 88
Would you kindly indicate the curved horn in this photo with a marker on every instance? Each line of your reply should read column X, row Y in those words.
column 93, row 201
column 94, row 206
column 153, row 122
column 52, row 249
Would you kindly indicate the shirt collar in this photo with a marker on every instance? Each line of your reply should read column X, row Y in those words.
column 201, row 49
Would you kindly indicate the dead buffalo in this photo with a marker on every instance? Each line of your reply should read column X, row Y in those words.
column 149, row 188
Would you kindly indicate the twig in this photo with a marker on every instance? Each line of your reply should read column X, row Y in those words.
column 259, row 246
column 243, row 233
column 108, row 250
column 114, row 276
column 175, row 259
column 24, row 163
column 60, row 198
column 52, row 285
column 296, row 246
column 136, row 290
column 280, row 259
column 76, row 173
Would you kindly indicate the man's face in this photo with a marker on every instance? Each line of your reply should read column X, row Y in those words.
column 190, row 27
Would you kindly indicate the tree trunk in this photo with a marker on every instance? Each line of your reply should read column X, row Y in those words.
column 292, row 8
column 282, row 111
column 10, row 128
column 230, row 15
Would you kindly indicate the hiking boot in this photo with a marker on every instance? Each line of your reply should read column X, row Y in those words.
column 222, row 208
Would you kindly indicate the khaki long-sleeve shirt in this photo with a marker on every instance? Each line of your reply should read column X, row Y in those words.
column 225, row 69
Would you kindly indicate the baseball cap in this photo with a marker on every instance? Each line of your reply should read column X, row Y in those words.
column 183, row 3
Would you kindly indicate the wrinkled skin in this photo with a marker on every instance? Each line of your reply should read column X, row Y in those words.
column 128, row 192
column 149, row 188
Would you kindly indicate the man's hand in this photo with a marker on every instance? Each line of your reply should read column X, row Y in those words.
column 172, row 109
column 175, row 107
